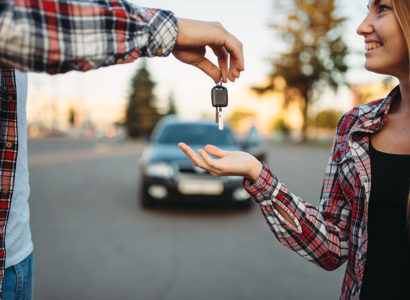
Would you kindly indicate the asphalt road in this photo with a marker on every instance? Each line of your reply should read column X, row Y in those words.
column 93, row 241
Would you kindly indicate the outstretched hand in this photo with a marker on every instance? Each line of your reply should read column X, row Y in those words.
column 227, row 163
column 190, row 47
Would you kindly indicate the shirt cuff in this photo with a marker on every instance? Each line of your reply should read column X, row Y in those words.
column 163, row 33
column 264, row 187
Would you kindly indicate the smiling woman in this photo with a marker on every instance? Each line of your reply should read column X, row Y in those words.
column 386, row 47
column 361, row 217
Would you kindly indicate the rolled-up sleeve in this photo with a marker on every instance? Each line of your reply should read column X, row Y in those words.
column 321, row 233
column 62, row 35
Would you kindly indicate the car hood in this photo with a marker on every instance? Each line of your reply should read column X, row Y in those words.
column 171, row 153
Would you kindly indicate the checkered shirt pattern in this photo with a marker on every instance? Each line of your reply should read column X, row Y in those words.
column 336, row 230
column 57, row 36
column 8, row 151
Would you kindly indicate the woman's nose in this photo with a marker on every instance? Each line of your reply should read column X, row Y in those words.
column 365, row 27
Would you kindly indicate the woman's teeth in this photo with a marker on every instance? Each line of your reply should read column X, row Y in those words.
column 370, row 46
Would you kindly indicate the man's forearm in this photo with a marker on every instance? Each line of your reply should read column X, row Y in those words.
column 59, row 36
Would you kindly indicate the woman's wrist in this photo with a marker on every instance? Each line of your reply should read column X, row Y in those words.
column 255, row 172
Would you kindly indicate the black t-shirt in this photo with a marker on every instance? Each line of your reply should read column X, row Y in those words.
column 387, row 269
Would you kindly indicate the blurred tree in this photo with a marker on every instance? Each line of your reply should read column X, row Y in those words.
column 71, row 116
column 280, row 125
column 238, row 116
column 141, row 115
column 326, row 118
column 314, row 54
column 364, row 93
column 172, row 109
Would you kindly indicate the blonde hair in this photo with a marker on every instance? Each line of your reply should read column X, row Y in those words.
column 401, row 9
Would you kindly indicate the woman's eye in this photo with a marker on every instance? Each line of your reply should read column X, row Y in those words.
column 383, row 8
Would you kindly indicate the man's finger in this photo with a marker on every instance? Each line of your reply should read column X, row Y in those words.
column 209, row 68
column 222, row 56
column 235, row 49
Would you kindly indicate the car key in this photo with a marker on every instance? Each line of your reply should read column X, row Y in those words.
column 219, row 95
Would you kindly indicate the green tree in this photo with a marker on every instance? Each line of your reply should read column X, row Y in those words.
column 141, row 115
column 238, row 115
column 314, row 55
column 172, row 109
column 71, row 116
column 327, row 118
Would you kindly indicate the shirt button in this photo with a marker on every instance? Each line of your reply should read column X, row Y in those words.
column 9, row 145
column 119, row 61
column 10, row 98
column 159, row 51
column 4, row 191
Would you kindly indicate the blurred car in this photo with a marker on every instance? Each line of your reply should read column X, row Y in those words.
column 169, row 176
column 255, row 144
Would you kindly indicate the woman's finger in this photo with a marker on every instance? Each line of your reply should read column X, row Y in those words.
column 215, row 151
column 212, row 164
column 195, row 158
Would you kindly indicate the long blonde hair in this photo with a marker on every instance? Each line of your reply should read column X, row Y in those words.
column 401, row 9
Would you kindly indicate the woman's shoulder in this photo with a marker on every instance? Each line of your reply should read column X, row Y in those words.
column 355, row 119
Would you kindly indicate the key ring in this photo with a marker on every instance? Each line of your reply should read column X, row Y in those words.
column 220, row 82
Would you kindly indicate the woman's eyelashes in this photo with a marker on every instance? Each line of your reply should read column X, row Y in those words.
column 382, row 8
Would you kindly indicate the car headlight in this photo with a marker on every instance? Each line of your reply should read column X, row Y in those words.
column 161, row 170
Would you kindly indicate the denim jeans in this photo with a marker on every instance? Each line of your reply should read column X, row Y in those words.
column 18, row 280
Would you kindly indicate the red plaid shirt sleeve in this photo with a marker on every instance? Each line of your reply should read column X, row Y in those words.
column 334, row 231
column 322, row 233
column 57, row 36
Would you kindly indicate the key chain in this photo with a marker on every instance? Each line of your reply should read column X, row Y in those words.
column 219, row 96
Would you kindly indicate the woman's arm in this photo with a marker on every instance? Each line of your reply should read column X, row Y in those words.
column 318, row 234
column 230, row 163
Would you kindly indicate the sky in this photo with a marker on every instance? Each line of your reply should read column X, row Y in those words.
column 247, row 20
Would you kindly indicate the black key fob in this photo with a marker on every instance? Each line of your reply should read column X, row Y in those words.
column 219, row 95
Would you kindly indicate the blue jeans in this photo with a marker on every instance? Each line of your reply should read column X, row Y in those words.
column 18, row 280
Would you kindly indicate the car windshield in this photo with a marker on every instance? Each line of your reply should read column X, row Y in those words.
column 196, row 134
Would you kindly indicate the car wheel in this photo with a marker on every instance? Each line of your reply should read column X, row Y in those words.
column 145, row 200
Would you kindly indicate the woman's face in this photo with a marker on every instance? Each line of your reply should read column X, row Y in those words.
column 386, row 49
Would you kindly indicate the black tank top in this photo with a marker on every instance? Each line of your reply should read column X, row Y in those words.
column 387, row 269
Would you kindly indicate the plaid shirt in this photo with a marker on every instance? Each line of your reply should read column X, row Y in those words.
column 336, row 230
column 57, row 36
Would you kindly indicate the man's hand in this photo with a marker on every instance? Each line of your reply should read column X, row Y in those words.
column 228, row 163
column 192, row 39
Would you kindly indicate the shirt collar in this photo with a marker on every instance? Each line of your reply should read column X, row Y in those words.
column 384, row 106
column 373, row 117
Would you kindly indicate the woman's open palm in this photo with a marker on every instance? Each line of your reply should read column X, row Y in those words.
column 226, row 163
